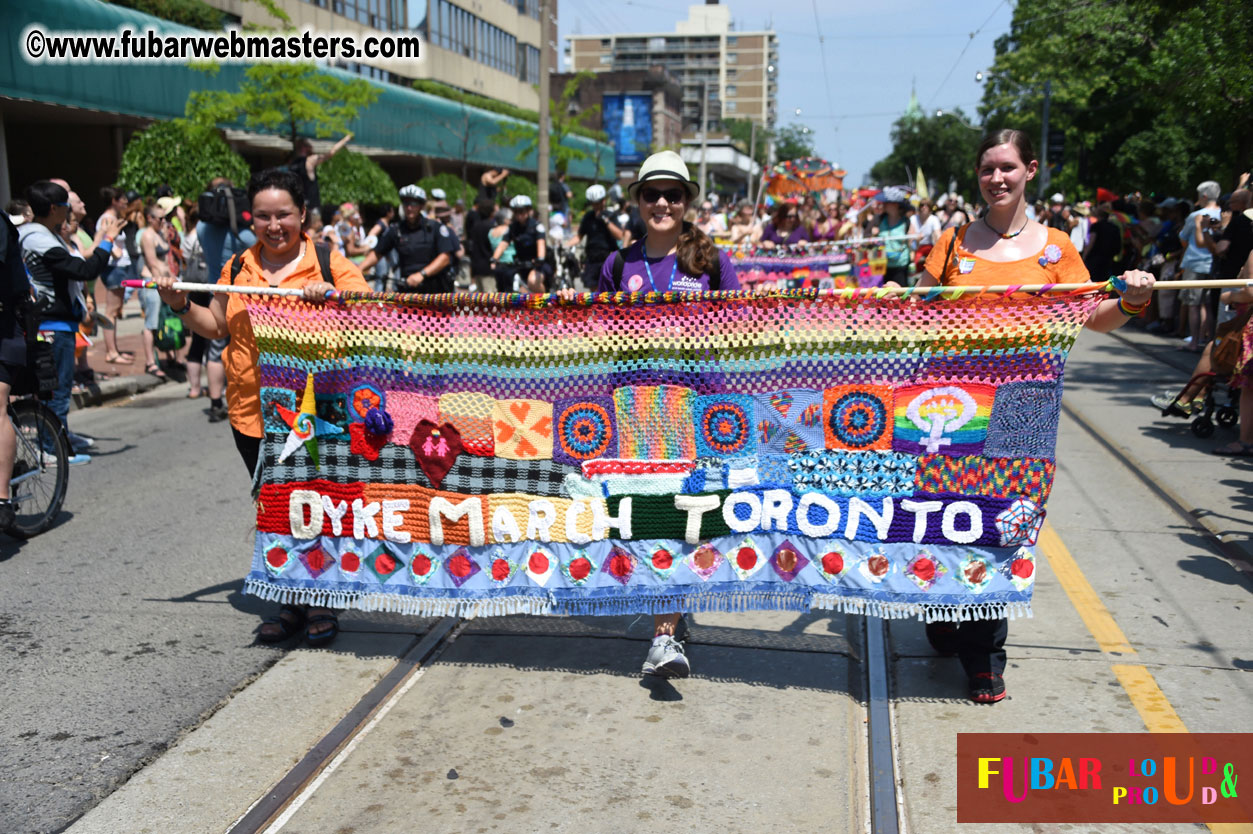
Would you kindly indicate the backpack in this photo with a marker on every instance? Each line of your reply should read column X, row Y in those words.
column 171, row 333
column 616, row 264
column 226, row 206
column 320, row 249
column 195, row 269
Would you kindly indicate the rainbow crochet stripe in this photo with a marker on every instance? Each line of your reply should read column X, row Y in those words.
column 476, row 455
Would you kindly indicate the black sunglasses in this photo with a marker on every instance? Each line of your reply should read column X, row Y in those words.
column 672, row 195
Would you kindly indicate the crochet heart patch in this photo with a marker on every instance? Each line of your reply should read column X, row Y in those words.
column 436, row 448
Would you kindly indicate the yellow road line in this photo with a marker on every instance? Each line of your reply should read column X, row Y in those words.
column 1149, row 700
column 1137, row 681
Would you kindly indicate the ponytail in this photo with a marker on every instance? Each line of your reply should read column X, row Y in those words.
column 695, row 253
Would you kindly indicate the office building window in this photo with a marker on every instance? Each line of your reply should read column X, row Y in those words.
column 528, row 63
column 455, row 29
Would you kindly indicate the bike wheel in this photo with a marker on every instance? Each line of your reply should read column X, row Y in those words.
column 41, row 469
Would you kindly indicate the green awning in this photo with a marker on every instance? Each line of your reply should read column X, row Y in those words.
column 402, row 120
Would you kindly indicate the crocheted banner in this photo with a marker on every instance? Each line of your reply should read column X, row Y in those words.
column 490, row 455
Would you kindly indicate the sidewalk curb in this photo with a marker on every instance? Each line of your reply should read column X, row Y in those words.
column 106, row 390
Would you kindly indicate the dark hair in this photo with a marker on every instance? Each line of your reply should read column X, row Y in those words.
column 42, row 195
column 16, row 207
column 696, row 253
column 164, row 191
column 282, row 179
column 781, row 210
column 1007, row 136
column 485, row 206
column 110, row 193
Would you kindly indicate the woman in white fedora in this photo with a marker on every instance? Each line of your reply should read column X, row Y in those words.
column 677, row 256
column 672, row 255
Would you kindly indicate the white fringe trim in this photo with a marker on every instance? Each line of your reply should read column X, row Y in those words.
column 620, row 605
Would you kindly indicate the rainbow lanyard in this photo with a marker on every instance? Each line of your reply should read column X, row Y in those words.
column 651, row 283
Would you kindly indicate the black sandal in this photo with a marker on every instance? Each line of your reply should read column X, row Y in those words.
column 289, row 621
column 321, row 638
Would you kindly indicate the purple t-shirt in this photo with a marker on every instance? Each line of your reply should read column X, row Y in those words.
column 635, row 274
column 771, row 234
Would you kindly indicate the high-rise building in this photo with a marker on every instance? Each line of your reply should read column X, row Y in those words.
column 736, row 70
column 488, row 47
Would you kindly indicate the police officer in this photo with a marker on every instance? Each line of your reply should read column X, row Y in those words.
column 527, row 236
column 425, row 247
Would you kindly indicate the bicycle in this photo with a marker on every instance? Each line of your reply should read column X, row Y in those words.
column 41, row 468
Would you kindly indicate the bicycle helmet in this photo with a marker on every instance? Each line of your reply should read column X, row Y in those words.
column 595, row 193
column 520, row 201
column 413, row 192
column 438, row 194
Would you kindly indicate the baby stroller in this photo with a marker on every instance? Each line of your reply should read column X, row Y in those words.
column 1213, row 401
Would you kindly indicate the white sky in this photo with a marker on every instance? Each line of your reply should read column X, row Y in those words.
column 874, row 51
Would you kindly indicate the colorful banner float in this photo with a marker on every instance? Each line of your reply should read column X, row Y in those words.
column 477, row 455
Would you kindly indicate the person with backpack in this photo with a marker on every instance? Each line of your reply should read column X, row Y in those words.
column 58, row 278
column 672, row 255
column 284, row 257
column 224, row 231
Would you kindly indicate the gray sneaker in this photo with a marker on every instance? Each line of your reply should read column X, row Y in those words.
column 666, row 658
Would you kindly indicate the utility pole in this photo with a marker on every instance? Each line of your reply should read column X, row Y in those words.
column 752, row 151
column 704, row 131
column 1045, row 174
column 541, row 201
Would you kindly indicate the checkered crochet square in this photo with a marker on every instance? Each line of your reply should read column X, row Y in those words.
column 655, row 422
column 724, row 425
column 1024, row 420
column 471, row 414
column 585, row 429
column 523, row 429
column 858, row 418
column 789, row 421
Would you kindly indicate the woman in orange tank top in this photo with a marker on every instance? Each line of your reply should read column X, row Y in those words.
column 1005, row 247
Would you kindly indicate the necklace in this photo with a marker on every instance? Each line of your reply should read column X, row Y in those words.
column 1007, row 235
column 276, row 267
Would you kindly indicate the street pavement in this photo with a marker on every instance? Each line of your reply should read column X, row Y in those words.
column 137, row 700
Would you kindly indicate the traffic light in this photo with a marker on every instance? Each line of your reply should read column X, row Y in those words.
column 1057, row 144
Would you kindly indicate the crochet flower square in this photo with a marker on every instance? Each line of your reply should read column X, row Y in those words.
column 584, row 430
column 724, row 426
column 858, row 417
column 470, row 413
column 655, row 422
column 523, row 429
column 949, row 418
column 789, row 421
column 1024, row 419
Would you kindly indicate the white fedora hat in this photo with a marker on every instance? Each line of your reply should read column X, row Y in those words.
column 664, row 165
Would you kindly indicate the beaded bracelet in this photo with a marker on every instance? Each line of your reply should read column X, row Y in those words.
column 1131, row 312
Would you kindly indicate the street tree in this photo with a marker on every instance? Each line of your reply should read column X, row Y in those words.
column 793, row 142
column 287, row 99
column 563, row 123
column 943, row 146
column 350, row 177
column 180, row 154
column 741, row 131
column 1147, row 95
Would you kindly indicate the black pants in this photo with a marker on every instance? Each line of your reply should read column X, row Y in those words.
column 249, row 449
column 981, row 646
